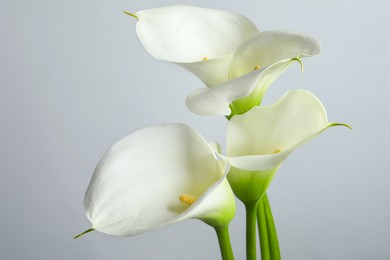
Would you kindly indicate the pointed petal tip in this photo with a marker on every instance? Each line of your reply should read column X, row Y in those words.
column 131, row 14
column 300, row 62
column 339, row 124
column 83, row 233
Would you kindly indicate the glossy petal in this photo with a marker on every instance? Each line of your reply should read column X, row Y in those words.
column 188, row 34
column 270, row 133
column 211, row 72
column 136, row 185
column 259, row 140
column 183, row 33
column 273, row 52
column 216, row 100
column 270, row 47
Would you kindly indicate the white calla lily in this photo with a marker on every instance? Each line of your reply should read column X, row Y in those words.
column 200, row 39
column 222, row 49
column 261, row 139
column 155, row 177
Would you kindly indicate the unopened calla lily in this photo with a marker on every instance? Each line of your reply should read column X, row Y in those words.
column 261, row 139
column 225, row 50
column 155, row 177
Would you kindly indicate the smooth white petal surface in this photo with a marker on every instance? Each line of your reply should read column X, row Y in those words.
column 215, row 207
column 136, row 185
column 199, row 39
column 183, row 33
column 216, row 100
column 211, row 72
column 263, row 137
column 270, row 47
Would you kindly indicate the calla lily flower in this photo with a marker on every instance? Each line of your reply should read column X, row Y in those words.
column 261, row 139
column 155, row 177
column 225, row 50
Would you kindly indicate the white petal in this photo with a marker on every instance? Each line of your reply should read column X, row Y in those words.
column 137, row 184
column 263, row 137
column 258, row 162
column 216, row 100
column 216, row 147
column 270, row 47
column 187, row 35
column 212, row 72
column 183, row 33
column 215, row 206
column 295, row 116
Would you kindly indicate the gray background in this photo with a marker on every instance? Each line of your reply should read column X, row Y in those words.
column 74, row 79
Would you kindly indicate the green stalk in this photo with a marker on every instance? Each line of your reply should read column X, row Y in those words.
column 251, row 210
column 271, row 230
column 268, row 236
column 224, row 243
column 263, row 232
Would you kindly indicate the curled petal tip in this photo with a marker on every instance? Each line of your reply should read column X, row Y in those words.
column 131, row 14
column 300, row 62
column 83, row 233
column 340, row 124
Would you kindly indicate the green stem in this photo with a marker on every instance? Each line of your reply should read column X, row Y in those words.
column 224, row 243
column 271, row 230
column 251, row 209
column 263, row 233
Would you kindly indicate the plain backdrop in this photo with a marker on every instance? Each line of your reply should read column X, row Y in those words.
column 74, row 79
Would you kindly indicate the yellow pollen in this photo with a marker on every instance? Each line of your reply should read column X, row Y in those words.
column 187, row 199
column 276, row 151
column 256, row 67
column 205, row 58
